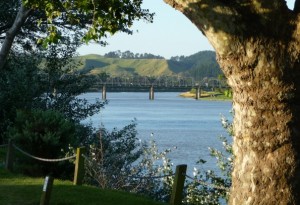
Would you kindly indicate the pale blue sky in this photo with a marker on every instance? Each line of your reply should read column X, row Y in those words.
column 171, row 34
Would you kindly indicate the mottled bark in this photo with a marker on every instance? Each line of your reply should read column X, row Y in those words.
column 11, row 34
column 266, row 125
column 258, row 48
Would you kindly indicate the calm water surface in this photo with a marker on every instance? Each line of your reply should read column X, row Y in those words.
column 172, row 121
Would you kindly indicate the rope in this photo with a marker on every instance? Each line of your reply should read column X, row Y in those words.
column 43, row 159
column 3, row 145
column 207, row 184
column 150, row 177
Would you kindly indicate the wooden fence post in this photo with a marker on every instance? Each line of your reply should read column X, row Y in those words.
column 79, row 166
column 9, row 156
column 104, row 92
column 47, row 188
column 151, row 93
column 176, row 197
column 198, row 93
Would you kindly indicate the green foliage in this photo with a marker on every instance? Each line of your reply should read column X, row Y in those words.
column 44, row 134
column 19, row 86
column 112, row 155
column 228, row 93
column 95, row 18
column 118, row 160
column 158, row 169
column 45, row 81
column 131, row 55
column 199, row 65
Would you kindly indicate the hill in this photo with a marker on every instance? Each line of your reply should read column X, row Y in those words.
column 199, row 65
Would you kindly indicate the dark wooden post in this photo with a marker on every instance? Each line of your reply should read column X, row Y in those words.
column 151, row 93
column 104, row 92
column 9, row 156
column 47, row 188
column 79, row 166
column 176, row 197
column 198, row 93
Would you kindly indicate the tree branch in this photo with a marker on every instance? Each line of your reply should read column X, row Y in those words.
column 11, row 34
column 224, row 22
column 297, row 6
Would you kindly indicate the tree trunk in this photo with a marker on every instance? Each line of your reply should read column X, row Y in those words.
column 258, row 48
column 11, row 34
column 266, row 126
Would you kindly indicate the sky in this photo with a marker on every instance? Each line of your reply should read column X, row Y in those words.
column 171, row 34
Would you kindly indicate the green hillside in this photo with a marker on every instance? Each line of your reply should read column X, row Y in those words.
column 95, row 64
column 199, row 65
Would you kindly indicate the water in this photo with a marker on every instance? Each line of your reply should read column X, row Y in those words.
column 172, row 121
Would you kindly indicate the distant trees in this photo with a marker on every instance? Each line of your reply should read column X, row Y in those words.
column 130, row 55
column 199, row 65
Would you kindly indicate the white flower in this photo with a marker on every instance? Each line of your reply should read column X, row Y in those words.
column 195, row 172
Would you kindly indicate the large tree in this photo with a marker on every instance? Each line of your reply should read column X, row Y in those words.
column 45, row 22
column 257, row 43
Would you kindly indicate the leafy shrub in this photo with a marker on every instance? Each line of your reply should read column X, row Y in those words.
column 44, row 134
column 118, row 160
column 111, row 157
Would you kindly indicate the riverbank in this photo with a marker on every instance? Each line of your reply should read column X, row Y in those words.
column 206, row 96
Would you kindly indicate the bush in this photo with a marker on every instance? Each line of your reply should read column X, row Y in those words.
column 118, row 160
column 112, row 156
column 45, row 134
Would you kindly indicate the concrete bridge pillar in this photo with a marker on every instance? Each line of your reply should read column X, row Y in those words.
column 198, row 93
column 104, row 92
column 151, row 93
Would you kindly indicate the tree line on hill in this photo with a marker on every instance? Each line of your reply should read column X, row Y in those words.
column 199, row 65
column 131, row 55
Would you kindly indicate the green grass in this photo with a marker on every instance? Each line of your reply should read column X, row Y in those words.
column 20, row 190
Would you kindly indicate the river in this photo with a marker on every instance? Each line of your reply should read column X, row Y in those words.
column 172, row 121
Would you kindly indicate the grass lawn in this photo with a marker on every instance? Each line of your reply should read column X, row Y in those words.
column 21, row 190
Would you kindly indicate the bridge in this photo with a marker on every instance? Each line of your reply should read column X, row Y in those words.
column 151, row 84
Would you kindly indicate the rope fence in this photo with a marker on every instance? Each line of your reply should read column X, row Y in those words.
column 134, row 176
column 150, row 177
column 207, row 184
column 79, row 162
column 43, row 159
column 179, row 176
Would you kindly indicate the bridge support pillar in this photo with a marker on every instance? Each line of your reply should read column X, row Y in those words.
column 198, row 93
column 151, row 93
column 104, row 92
